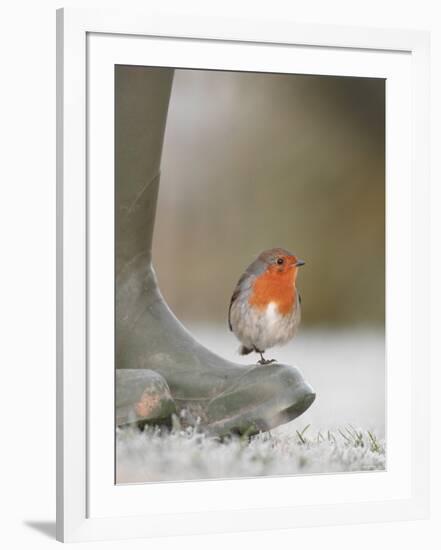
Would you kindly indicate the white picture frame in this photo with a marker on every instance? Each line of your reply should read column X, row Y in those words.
column 89, row 505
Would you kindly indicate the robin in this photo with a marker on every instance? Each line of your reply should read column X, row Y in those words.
column 265, row 306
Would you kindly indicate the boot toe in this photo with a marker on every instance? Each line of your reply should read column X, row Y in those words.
column 265, row 397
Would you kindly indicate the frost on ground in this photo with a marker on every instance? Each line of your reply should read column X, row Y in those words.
column 155, row 455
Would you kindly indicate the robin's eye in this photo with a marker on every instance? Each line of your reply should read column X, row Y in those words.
column 280, row 261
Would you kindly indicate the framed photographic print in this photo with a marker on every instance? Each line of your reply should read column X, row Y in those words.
column 242, row 275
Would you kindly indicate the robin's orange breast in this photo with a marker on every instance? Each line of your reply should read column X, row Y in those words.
column 277, row 287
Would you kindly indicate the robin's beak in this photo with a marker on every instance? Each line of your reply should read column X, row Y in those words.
column 299, row 263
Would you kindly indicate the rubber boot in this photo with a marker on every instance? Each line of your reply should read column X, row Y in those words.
column 223, row 397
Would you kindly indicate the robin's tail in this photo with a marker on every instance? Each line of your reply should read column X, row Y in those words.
column 243, row 350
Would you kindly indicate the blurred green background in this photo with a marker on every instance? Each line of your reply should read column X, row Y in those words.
column 252, row 161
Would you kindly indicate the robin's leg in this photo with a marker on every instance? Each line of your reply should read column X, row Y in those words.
column 264, row 361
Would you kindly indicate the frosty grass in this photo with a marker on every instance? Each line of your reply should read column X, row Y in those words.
column 183, row 454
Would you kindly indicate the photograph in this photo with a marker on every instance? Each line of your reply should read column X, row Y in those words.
column 249, row 274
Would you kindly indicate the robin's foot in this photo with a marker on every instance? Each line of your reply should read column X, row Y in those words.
column 266, row 361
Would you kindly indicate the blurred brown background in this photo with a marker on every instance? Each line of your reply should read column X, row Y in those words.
column 252, row 161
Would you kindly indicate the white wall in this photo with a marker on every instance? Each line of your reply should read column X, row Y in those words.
column 27, row 296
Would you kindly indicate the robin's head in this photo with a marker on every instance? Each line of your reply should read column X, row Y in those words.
column 279, row 260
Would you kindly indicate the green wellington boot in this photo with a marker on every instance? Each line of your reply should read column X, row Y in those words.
column 161, row 369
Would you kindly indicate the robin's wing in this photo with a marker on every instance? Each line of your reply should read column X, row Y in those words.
column 245, row 283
